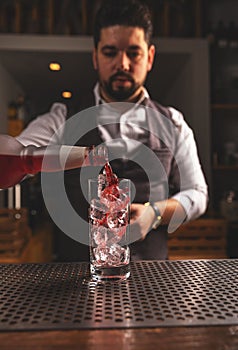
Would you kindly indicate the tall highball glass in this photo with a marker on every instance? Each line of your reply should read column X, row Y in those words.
column 109, row 231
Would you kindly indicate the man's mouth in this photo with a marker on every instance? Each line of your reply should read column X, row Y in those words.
column 121, row 78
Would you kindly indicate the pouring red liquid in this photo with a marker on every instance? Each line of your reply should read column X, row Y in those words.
column 16, row 160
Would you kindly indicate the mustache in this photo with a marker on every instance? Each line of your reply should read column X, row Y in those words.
column 121, row 75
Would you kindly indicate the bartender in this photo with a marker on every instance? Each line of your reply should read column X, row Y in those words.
column 148, row 143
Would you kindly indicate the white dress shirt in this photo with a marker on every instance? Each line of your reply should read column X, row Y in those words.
column 132, row 125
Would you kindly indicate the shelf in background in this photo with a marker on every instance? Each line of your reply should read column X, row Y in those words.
column 225, row 106
column 226, row 167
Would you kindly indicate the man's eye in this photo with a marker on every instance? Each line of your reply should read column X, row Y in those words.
column 134, row 55
column 110, row 53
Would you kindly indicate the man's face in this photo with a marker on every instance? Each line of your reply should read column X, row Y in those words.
column 122, row 60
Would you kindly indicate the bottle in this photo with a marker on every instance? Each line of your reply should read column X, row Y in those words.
column 12, row 111
column 210, row 34
column 229, row 206
column 22, row 112
column 232, row 35
column 16, row 160
column 229, row 153
column 15, row 125
column 221, row 35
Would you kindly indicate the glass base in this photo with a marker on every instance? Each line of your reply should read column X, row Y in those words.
column 110, row 273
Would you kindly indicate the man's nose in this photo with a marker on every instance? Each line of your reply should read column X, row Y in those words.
column 123, row 61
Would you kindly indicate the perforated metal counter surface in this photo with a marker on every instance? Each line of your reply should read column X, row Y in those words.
column 157, row 294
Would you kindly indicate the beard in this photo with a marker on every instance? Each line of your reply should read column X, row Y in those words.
column 120, row 93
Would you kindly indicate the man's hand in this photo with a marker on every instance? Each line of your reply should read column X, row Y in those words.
column 141, row 220
column 143, row 217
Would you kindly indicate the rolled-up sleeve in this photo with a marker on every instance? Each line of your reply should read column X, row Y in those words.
column 48, row 127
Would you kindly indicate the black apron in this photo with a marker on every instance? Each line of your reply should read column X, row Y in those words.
column 154, row 246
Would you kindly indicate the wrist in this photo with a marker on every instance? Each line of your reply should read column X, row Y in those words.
column 157, row 214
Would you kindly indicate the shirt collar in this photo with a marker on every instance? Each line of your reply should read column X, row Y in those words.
column 99, row 100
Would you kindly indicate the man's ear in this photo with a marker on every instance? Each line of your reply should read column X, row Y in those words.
column 94, row 57
column 151, row 56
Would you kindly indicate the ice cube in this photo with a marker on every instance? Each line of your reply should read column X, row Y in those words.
column 117, row 219
column 115, row 255
column 99, row 235
column 98, row 212
column 111, row 193
column 101, row 255
column 97, row 207
column 115, row 235
column 119, row 203
column 112, row 256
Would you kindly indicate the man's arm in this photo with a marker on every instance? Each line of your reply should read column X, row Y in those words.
column 17, row 161
column 143, row 217
column 38, row 133
column 48, row 127
column 30, row 153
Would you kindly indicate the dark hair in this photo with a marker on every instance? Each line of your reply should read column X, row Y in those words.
column 130, row 13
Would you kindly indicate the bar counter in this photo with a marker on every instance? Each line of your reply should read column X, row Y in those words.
column 190, row 304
